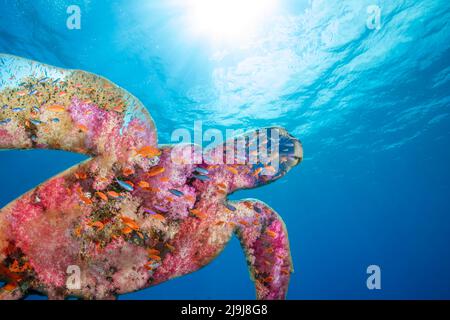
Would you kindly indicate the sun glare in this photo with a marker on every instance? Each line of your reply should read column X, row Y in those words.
column 229, row 20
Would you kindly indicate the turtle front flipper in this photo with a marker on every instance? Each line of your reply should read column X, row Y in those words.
column 45, row 107
column 264, row 238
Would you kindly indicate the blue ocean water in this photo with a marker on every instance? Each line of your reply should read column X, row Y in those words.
column 371, row 106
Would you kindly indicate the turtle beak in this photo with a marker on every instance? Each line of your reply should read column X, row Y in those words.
column 290, row 150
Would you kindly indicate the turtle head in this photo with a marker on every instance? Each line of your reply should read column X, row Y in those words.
column 256, row 158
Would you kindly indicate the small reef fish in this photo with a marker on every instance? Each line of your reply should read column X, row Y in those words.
column 155, row 171
column 176, row 192
column 56, row 108
column 18, row 109
column 202, row 170
column 99, row 225
column 125, row 185
column 101, row 195
column 159, row 208
column 55, row 120
column 149, row 152
column 158, row 217
column 35, row 122
column 152, row 251
column 230, row 207
column 82, row 128
column 6, row 121
column 257, row 209
column 198, row 213
column 201, row 177
column 149, row 211
column 129, row 223
column 127, row 172
column 271, row 233
column 113, row 194
column 144, row 184
column 231, row 169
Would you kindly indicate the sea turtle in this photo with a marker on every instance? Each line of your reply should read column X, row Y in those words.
column 135, row 213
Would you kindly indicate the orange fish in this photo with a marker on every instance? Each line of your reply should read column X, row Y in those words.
column 198, row 213
column 80, row 175
column 130, row 223
column 222, row 185
column 257, row 171
column 271, row 233
column 127, row 172
column 268, row 279
column 221, row 192
column 248, row 205
column 158, row 217
column 285, row 272
column 10, row 287
column 189, row 198
column 152, row 251
column 78, row 232
column 244, row 223
column 148, row 266
column 151, row 189
column 149, row 152
column 155, row 171
column 99, row 225
column 101, row 195
column 154, row 257
column 144, row 184
column 164, row 179
column 82, row 128
column 171, row 248
column 127, row 230
column 56, row 108
column 231, row 169
column 113, row 194
column 86, row 200
column 219, row 223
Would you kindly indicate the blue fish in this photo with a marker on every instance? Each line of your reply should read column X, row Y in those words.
column 6, row 121
column 201, row 170
column 230, row 207
column 257, row 209
column 35, row 122
column 55, row 120
column 159, row 208
column 36, row 109
column 125, row 185
column 4, row 106
column 149, row 211
column 176, row 192
column 32, row 92
column 18, row 109
column 202, row 178
column 43, row 79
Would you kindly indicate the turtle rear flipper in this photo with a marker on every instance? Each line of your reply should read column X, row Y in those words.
column 45, row 107
column 11, row 291
column 264, row 238
column 254, row 158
